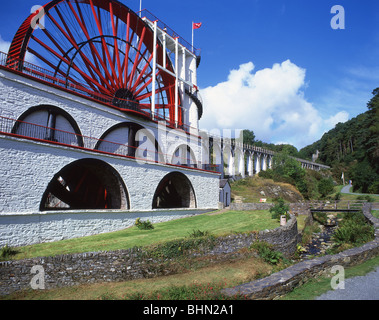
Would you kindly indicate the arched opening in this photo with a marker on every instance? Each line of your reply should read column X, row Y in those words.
column 86, row 184
column 46, row 122
column 127, row 139
column 174, row 191
column 184, row 156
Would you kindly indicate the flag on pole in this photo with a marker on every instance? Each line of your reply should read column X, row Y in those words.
column 197, row 25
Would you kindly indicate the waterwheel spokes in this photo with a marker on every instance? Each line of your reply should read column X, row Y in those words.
column 101, row 46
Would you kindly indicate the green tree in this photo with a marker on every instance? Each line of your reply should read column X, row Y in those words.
column 280, row 209
column 287, row 149
column 372, row 143
column 353, row 147
column 248, row 137
column 363, row 176
column 287, row 166
column 325, row 186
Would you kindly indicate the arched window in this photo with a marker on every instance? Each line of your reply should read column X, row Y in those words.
column 130, row 139
column 174, row 191
column 184, row 156
column 49, row 123
column 86, row 184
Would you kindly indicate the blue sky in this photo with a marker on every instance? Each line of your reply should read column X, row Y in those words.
column 272, row 66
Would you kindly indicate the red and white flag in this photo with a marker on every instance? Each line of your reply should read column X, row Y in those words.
column 197, row 25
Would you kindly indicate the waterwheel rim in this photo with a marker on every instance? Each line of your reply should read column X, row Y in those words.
column 103, row 47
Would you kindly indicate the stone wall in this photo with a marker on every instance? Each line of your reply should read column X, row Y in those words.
column 250, row 206
column 70, row 270
column 280, row 283
column 27, row 229
column 295, row 208
column 283, row 239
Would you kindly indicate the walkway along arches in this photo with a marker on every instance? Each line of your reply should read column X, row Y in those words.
column 131, row 139
column 86, row 184
column 51, row 123
column 174, row 191
column 184, row 156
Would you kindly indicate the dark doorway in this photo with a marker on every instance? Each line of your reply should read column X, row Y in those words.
column 174, row 191
column 86, row 184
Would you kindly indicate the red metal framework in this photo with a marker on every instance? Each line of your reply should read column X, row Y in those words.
column 101, row 46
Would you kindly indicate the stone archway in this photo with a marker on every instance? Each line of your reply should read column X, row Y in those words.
column 86, row 184
column 174, row 191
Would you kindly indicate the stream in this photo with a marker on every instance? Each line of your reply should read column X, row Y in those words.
column 320, row 243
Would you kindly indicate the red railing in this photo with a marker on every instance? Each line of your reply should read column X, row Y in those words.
column 36, row 132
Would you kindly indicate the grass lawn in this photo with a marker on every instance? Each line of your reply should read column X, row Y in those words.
column 216, row 224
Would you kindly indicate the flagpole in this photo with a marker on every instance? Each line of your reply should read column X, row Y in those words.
column 192, row 35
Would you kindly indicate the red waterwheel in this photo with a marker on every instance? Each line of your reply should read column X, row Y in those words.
column 101, row 47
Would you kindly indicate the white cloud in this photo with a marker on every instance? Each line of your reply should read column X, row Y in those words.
column 4, row 45
column 365, row 73
column 342, row 116
column 270, row 102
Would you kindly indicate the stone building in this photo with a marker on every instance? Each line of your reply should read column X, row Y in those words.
column 99, row 124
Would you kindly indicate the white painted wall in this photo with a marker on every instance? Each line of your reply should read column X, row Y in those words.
column 28, row 229
column 27, row 167
column 19, row 94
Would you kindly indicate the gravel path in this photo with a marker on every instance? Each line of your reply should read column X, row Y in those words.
column 346, row 190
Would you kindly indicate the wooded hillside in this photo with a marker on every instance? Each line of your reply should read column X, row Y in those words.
column 353, row 148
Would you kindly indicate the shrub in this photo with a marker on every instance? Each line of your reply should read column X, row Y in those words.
column 198, row 233
column 280, row 209
column 374, row 188
column 320, row 217
column 177, row 248
column 6, row 252
column 366, row 198
column 353, row 230
column 144, row 225
column 268, row 174
column 325, row 186
column 266, row 252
